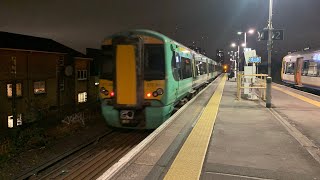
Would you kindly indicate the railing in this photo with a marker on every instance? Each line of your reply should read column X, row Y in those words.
column 252, row 82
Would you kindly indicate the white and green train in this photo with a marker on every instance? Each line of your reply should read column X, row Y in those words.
column 146, row 74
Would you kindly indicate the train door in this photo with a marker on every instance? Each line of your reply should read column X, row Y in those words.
column 176, row 68
column 128, row 72
column 283, row 69
column 297, row 72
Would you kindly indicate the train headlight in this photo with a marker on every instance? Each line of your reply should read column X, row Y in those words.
column 104, row 91
column 159, row 91
column 155, row 94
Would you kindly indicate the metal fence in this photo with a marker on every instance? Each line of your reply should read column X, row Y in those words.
column 254, row 84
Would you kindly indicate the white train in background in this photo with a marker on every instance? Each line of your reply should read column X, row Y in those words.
column 302, row 69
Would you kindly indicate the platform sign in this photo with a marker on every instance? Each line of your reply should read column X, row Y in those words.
column 246, row 49
column 255, row 60
column 277, row 34
column 249, row 54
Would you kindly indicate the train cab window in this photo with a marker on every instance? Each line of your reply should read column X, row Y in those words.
column 154, row 62
column 186, row 71
column 290, row 68
column 106, row 70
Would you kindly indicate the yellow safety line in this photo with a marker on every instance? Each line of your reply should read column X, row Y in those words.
column 189, row 161
column 308, row 100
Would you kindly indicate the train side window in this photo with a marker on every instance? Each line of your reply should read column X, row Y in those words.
column 175, row 63
column 318, row 73
column 290, row 68
column 186, row 71
column 305, row 68
column 312, row 69
column 210, row 68
column 203, row 68
column 198, row 64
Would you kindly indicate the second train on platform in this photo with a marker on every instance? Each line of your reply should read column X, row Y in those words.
column 145, row 75
column 302, row 69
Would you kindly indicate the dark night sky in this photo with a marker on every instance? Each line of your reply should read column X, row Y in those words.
column 80, row 24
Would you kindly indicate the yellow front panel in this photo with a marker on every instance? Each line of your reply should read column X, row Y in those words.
column 126, row 75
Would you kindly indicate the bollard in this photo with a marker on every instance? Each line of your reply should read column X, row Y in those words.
column 268, row 92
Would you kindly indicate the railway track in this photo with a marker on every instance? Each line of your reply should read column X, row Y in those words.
column 90, row 160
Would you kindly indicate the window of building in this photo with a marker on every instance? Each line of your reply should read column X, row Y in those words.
column 82, row 74
column 186, row 71
column 82, row 97
column 39, row 87
column 61, row 61
column 18, row 89
column 10, row 120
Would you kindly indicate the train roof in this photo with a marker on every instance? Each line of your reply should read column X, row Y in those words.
column 157, row 35
column 313, row 54
column 300, row 53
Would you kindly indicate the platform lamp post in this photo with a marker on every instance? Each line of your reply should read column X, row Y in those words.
column 269, row 44
column 238, row 53
column 234, row 61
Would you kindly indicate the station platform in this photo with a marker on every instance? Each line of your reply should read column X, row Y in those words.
column 216, row 136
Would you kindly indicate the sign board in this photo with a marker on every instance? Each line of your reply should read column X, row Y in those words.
column 255, row 60
column 277, row 34
column 249, row 54
column 247, row 49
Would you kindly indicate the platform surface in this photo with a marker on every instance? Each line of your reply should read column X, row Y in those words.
column 247, row 141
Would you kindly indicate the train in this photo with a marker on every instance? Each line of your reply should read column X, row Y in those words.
column 302, row 69
column 145, row 75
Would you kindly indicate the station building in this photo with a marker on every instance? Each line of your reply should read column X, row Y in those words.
column 51, row 79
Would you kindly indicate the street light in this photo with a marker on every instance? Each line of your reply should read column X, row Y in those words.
column 250, row 31
column 233, row 44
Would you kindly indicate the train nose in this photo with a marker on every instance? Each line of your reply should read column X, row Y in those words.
column 127, row 114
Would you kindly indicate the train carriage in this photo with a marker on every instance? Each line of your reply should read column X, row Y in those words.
column 302, row 69
column 145, row 75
